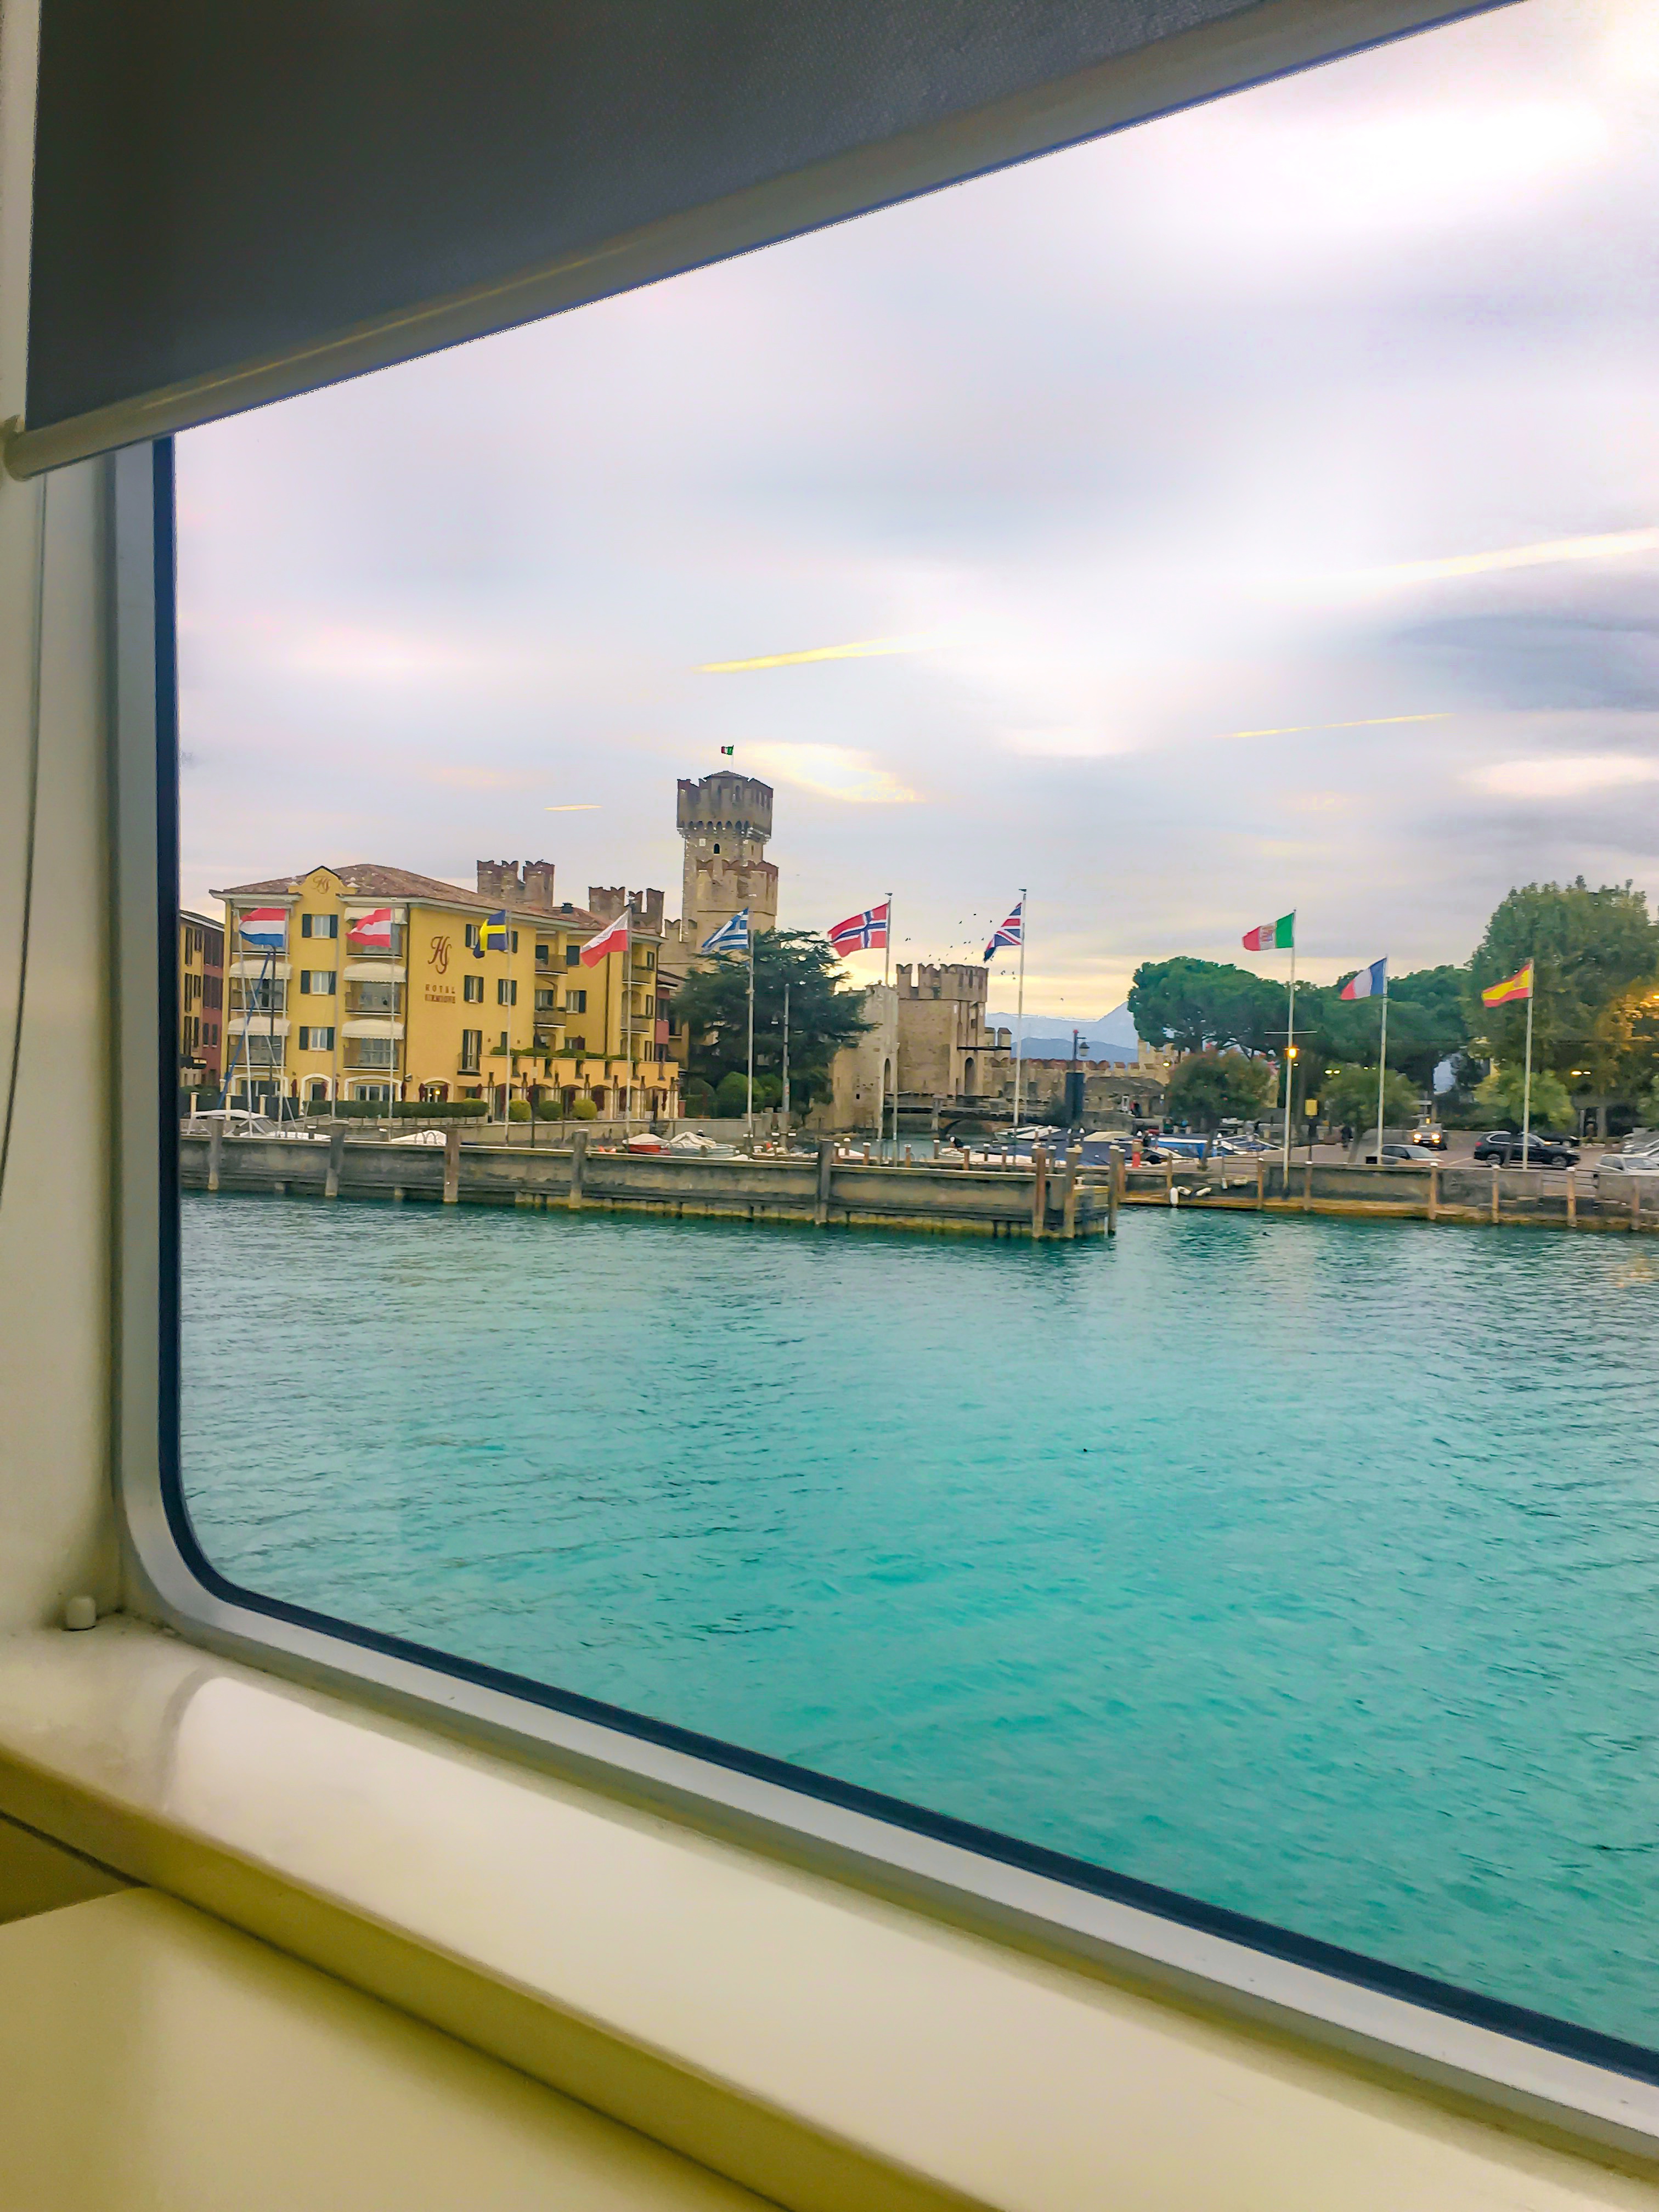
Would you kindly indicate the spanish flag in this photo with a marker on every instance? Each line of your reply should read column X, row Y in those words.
column 1519, row 986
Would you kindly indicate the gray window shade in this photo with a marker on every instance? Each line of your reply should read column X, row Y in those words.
column 234, row 202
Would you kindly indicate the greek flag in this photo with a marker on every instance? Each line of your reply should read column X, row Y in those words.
column 731, row 937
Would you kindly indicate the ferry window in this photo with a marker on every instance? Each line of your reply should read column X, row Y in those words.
column 1088, row 742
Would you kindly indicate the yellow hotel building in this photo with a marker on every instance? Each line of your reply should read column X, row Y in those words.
column 381, row 988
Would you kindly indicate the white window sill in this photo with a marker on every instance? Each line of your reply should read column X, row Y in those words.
column 825, row 2047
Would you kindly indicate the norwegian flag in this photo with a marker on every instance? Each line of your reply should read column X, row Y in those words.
column 862, row 933
column 1012, row 931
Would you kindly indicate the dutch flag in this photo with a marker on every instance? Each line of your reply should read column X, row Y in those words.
column 264, row 926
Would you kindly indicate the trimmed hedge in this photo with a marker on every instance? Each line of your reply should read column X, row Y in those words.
column 402, row 1110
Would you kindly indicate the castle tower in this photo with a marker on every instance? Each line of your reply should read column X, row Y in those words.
column 726, row 820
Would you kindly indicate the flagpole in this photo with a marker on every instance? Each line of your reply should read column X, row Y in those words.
column 1290, row 1060
column 1019, row 1012
column 1526, row 1080
column 881, row 1078
column 786, row 1067
column 751, row 932
column 1382, row 1067
column 627, row 1013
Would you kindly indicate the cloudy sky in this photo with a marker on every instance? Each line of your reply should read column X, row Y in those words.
column 1256, row 510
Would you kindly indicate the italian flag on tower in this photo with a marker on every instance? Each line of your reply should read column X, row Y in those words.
column 1272, row 936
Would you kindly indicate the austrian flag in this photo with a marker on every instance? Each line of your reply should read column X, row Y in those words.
column 1272, row 936
column 370, row 932
column 861, row 932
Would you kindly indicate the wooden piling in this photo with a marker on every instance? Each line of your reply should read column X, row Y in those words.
column 1068, row 1207
column 1572, row 1201
column 1307, row 1184
column 215, row 1154
column 1039, row 1191
column 1434, row 1190
column 1261, row 1182
column 1496, row 1171
column 452, row 1164
column 1114, row 1188
column 826, row 1169
column 1635, row 1202
column 336, row 1155
column 578, row 1169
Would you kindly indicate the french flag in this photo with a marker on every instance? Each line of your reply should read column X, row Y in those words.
column 1370, row 982
column 264, row 926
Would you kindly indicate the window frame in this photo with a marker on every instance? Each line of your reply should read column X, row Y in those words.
column 1554, row 2072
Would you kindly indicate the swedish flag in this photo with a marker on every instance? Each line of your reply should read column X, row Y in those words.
column 492, row 934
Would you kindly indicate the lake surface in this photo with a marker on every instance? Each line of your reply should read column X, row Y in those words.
column 1308, row 1567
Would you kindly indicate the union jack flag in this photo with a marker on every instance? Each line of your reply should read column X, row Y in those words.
column 860, row 932
column 1012, row 931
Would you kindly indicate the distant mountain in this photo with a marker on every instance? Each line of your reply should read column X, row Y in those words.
column 1111, row 1038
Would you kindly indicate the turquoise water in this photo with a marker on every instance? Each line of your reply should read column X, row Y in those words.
column 1308, row 1567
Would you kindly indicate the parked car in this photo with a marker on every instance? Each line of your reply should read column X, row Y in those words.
column 1403, row 1156
column 1502, row 1147
column 1641, row 1161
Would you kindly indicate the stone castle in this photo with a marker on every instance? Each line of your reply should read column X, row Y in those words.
column 725, row 820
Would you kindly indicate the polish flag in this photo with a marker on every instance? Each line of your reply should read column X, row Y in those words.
column 613, row 938
column 371, row 933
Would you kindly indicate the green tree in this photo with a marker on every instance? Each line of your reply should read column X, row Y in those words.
column 1347, row 1098
column 1208, row 1088
column 1501, row 1097
column 732, row 1095
column 824, row 1013
column 1194, row 1004
column 1426, row 1023
column 1590, row 947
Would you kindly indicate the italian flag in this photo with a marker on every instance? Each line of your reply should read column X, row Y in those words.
column 1272, row 936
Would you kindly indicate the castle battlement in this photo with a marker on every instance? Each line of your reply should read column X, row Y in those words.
column 965, row 981
column 725, row 820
